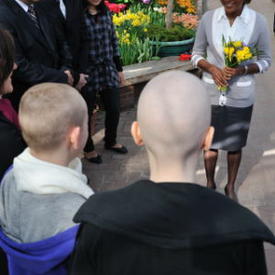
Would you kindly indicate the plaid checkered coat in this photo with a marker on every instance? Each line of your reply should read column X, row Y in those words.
column 103, row 47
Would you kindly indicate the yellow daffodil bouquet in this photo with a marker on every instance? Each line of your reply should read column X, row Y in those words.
column 235, row 53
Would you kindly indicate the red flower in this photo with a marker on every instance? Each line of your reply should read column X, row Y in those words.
column 185, row 57
column 115, row 8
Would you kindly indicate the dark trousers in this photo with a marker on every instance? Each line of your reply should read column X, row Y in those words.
column 111, row 101
column 3, row 263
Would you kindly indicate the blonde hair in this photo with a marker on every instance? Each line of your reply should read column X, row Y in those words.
column 47, row 111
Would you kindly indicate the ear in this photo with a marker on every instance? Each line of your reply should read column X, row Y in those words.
column 75, row 137
column 207, row 142
column 136, row 134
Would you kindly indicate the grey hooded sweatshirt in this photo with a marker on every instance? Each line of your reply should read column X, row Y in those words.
column 38, row 199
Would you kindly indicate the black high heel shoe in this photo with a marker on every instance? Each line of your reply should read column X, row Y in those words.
column 97, row 159
column 119, row 150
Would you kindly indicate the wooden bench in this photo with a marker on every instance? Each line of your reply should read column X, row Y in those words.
column 137, row 75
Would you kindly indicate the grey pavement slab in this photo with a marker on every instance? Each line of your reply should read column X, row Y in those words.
column 256, row 179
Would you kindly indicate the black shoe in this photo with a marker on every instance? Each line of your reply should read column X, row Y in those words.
column 119, row 150
column 96, row 159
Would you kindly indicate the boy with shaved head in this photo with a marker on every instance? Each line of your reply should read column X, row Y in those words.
column 41, row 193
column 166, row 224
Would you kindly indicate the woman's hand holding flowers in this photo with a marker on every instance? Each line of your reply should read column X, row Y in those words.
column 231, row 72
column 218, row 76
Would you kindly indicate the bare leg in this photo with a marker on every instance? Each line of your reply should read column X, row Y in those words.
column 233, row 162
column 210, row 161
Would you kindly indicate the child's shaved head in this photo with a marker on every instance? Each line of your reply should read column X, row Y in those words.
column 174, row 114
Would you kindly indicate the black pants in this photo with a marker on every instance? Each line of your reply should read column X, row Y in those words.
column 3, row 263
column 111, row 102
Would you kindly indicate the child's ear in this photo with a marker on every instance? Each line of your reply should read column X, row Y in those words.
column 75, row 137
column 207, row 142
column 136, row 134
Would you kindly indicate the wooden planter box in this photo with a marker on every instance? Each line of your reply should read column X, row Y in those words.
column 137, row 75
column 174, row 48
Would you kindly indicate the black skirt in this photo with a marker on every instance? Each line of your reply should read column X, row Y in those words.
column 231, row 127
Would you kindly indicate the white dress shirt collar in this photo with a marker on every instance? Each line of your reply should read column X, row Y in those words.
column 242, row 28
column 23, row 5
column 245, row 15
column 62, row 7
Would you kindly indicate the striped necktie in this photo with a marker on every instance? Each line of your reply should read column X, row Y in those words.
column 32, row 14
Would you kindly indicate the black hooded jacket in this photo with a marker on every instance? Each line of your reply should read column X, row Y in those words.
column 168, row 228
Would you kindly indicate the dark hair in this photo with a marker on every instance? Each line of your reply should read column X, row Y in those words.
column 7, row 50
column 101, row 7
column 247, row 1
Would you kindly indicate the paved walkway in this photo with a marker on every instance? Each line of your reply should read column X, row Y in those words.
column 256, row 180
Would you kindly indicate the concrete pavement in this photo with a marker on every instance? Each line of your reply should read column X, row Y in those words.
column 256, row 179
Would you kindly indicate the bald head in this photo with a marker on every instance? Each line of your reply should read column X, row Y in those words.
column 174, row 114
column 48, row 111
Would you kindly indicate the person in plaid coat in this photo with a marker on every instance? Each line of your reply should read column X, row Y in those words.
column 101, row 62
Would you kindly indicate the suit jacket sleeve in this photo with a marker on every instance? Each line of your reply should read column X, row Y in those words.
column 84, row 49
column 29, row 72
column 64, row 52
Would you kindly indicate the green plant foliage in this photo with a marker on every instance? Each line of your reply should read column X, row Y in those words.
column 176, row 33
column 141, row 24
column 136, row 52
column 124, row 1
column 155, row 17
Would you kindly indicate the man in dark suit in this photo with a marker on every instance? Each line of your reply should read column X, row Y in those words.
column 41, row 54
column 69, row 22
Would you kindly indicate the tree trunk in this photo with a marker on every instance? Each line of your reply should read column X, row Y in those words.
column 169, row 14
column 201, row 7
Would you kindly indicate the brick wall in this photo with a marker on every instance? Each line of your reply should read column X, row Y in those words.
column 127, row 97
